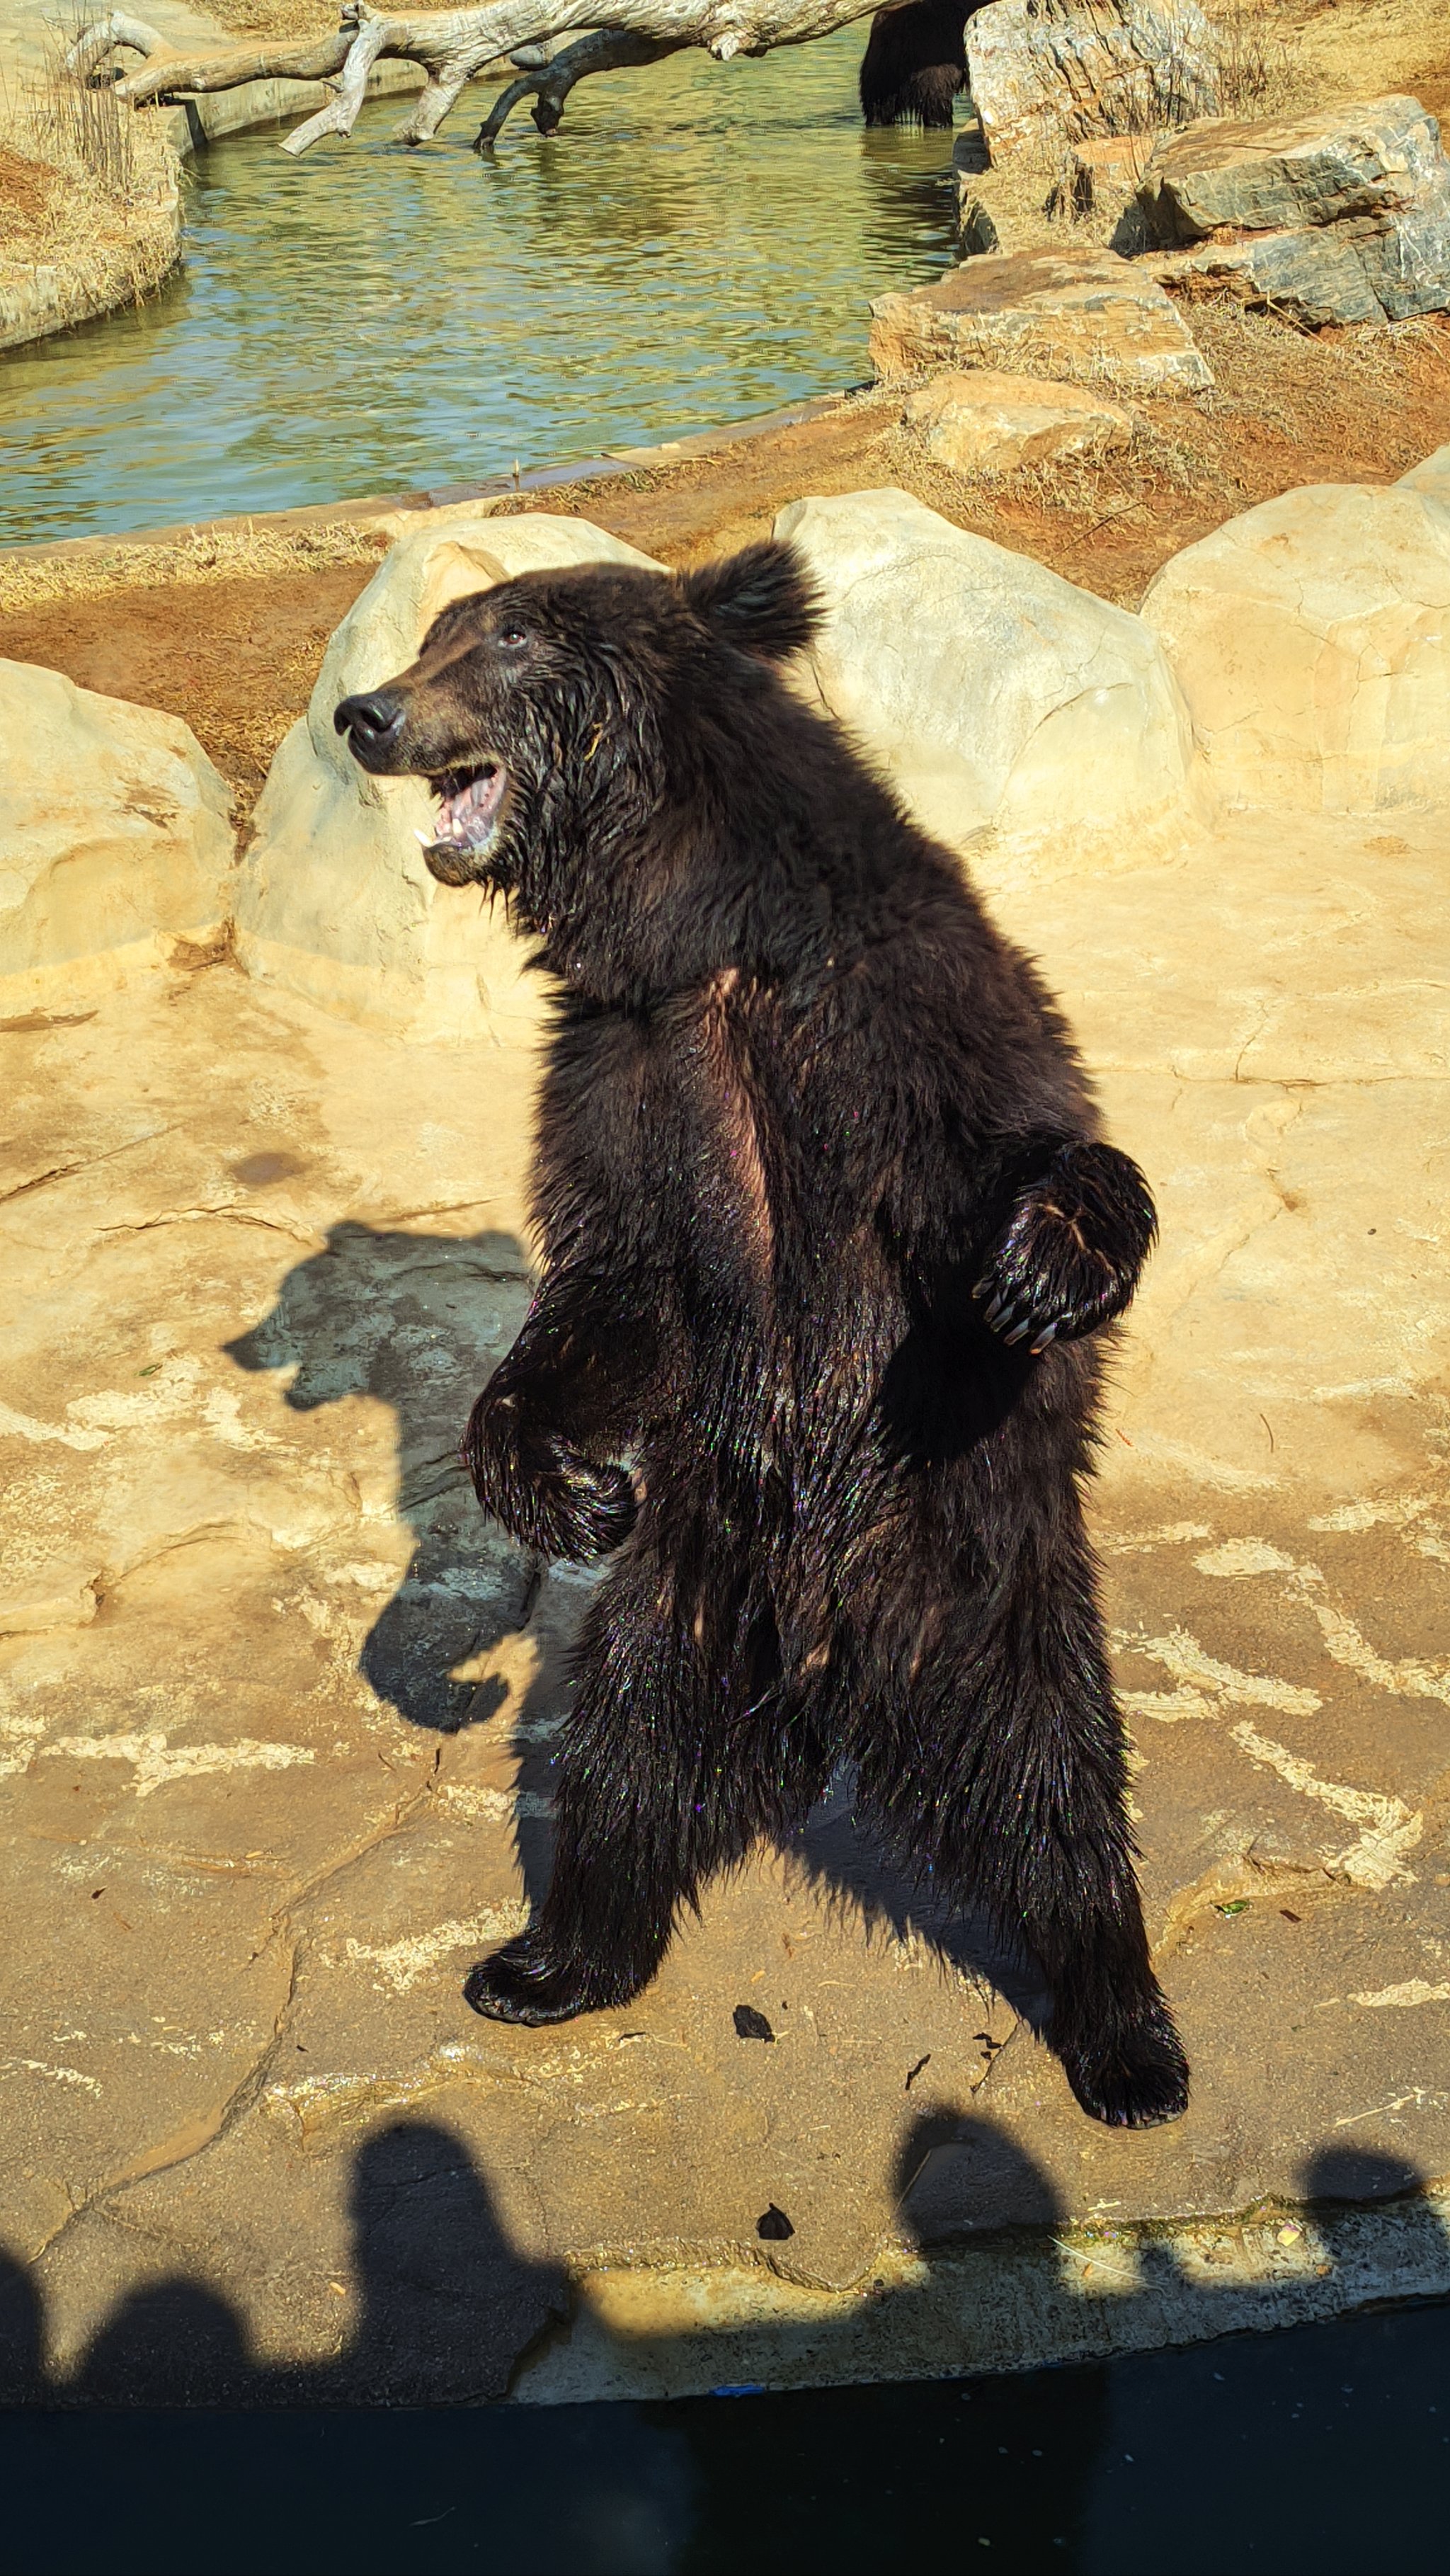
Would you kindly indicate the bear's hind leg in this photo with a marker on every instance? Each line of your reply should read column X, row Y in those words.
column 1008, row 1773
column 668, row 1768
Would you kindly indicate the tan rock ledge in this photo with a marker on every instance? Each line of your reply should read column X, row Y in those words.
column 1071, row 313
column 254, row 1262
column 978, row 422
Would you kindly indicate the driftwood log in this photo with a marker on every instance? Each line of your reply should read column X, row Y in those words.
column 455, row 46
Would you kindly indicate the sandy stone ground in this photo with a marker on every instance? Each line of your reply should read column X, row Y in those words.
column 276, row 1710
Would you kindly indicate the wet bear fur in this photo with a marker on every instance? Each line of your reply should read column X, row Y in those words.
column 827, row 1230
column 914, row 64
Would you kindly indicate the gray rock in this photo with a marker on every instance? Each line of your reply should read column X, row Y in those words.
column 1377, row 159
column 1314, row 277
column 1407, row 258
column 1343, row 216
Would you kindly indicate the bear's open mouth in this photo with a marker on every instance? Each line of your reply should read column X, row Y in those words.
column 470, row 803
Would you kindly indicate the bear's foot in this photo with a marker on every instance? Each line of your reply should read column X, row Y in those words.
column 521, row 1984
column 1138, row 2081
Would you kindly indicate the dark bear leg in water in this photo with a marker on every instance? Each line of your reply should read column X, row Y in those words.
column 1017, row 1796
column 669, row 1769
column 914, row 64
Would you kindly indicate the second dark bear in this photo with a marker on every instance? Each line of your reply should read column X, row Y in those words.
column 915, row 62
column 825, row 1222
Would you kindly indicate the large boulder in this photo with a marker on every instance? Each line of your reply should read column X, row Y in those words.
column 115, row 840
column 1342, row 215
column 1311, row 643
column 334, row 900
column 995, row 693
column 1051, row 313
column 1044, row 73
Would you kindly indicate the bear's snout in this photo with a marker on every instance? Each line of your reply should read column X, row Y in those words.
column 372, row 722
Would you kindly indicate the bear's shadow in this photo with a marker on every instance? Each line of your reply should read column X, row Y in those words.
column 418, row 1322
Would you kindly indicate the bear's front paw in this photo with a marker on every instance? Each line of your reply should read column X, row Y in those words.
column 547, row 1496
column 1136, row 2082
column 1070, row 1254
column 584, row 1512
column 520, row 1984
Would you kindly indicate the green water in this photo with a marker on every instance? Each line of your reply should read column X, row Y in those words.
column 698, row 242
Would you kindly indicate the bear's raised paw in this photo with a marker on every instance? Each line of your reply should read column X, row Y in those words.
column 1069, row 1257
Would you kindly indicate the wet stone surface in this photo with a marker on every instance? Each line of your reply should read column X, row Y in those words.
column 276, row 1706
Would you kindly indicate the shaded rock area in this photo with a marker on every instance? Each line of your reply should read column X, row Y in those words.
column 977, row 422
column 1043, row 73
column 276, row 1705
column 1432, row 476
column 1342, row 216
column 1056, row 313
column 115, row 840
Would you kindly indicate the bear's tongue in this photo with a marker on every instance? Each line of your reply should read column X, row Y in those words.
column 467, row 816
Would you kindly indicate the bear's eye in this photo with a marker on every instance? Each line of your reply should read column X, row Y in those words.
column 511, row 639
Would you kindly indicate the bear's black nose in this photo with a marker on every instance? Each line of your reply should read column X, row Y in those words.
column 373, row 720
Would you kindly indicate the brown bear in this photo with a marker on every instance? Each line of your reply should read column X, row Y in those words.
column 828, row 1236
column 915, row 62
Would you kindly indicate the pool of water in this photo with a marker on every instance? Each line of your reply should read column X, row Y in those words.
column 698, row 242
column 1318, row 2452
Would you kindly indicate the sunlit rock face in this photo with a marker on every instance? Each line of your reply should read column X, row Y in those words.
column 1062, row 312
column 115, row 840
column 1001, row 698
column 1309, row 638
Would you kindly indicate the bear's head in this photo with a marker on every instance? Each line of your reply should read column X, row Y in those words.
column 585, row 730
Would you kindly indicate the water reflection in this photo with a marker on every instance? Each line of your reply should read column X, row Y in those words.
column 699, row 241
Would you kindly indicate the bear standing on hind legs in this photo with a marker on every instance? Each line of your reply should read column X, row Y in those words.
column 826, row 1230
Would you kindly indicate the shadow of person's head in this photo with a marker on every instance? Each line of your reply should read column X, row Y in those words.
column 447, row 2298
column 22, row 2366
column 961, row 2178
column 1347, row 2189
column 173, row 2343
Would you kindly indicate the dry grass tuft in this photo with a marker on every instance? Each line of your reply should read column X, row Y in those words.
column 247, row 553
column 1092, row 488
column 1260, row 72
column 88, row 189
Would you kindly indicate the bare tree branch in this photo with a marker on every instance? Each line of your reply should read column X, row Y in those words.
column 166, row 71
column 606, row 50
column 454, row 45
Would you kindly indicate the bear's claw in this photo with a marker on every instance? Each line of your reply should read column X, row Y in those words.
column 515, row 1985
column 546, row 1494
column 1068, row 1259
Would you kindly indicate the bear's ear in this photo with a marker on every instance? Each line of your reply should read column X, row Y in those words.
column 762, row 600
